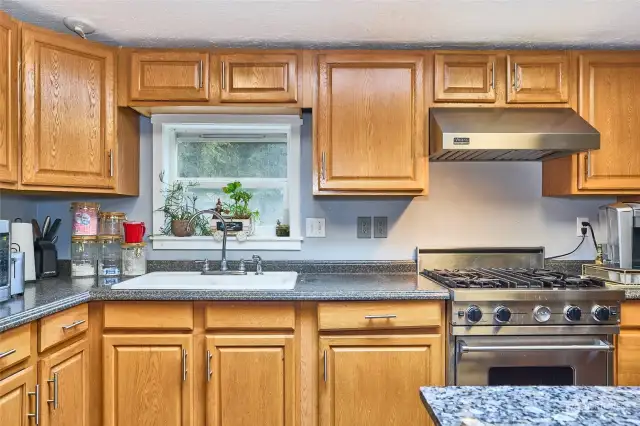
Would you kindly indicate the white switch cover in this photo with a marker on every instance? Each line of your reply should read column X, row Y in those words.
column 315, row 227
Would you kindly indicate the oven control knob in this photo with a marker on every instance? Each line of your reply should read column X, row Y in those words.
column 600, row 313
column 572, row 313
column 474, row 314
column 502, row 314
column 542, row 313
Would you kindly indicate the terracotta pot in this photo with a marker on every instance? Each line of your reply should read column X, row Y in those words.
column 180, row 228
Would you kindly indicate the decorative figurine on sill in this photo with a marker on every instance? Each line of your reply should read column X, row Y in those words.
column 218, row 207
column 282, row 230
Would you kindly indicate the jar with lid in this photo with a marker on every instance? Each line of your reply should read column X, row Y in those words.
column 83, row 256
column 109, row 256
column 111, row 223
column 134, row 259
column 84, row 218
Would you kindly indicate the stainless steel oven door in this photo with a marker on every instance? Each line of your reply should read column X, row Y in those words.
column 533, row 360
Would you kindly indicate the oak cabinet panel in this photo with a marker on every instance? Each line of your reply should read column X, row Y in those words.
column 67, row 111
column 370, row 123
column 464, row 77
column 538, row 78
column 148, row 380
column 260, row 77
column 158, row 75
column 8, row 100
column 15, row 402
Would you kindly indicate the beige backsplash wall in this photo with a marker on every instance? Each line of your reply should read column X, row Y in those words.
column 469, row 204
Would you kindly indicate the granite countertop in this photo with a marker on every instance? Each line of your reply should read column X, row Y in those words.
column 46, row 297
column 527, row 405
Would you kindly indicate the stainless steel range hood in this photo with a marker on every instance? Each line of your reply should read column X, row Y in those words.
column 508, row 134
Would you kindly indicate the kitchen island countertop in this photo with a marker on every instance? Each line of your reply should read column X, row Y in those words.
column 532, row 405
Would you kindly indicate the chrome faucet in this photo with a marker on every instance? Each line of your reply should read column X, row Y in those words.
column 224, row 269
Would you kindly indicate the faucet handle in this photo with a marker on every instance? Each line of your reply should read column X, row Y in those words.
column 258, row 261
column 205, row 264
column 242, row 267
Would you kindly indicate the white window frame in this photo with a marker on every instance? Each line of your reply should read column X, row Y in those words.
column 165, row 127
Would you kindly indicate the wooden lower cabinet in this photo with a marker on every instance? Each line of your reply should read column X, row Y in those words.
column 628, row 367
column 64, row 383
column 148, row 380
column 374, row 380
column 15, row 401
column 250, row 380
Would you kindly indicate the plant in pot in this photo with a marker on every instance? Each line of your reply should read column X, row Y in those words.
column 241, row 217
column 179, row 206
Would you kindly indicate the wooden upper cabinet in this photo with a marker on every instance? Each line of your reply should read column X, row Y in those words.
column 465, row 77
column 259, row 77
column 8, row 100
column 169, row 76
column 538, row 78
column 369, row 123
column 64, row 383
column 15, row 402
column 68, row 91
column 609, row 99
column 148, row 380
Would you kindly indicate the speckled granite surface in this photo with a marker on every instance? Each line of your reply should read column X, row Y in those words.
column 49, row 296
column 528, row 405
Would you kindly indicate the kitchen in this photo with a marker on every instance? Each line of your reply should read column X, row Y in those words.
column 442, row 205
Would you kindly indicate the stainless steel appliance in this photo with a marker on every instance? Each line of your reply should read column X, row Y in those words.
column 620, row 223
column 508, row 134
column 5, row 255
column 511, row 322
column 17, row 273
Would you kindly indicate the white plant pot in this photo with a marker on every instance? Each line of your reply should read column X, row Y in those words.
column 248, row 225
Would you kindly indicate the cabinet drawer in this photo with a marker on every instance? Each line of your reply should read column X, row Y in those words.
column 630, row 314
column 149, row 315
column 250, row 315
column 15, row 345
column 378, row 315
column 64, row 325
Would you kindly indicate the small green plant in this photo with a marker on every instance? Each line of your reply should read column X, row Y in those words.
column 239, row 207
column 180, row 204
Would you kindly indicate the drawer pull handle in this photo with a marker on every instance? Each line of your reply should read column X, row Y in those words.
column 73, row 324
column 7, row 353
column 36, row 415
column 55, row 391
column 387, row 316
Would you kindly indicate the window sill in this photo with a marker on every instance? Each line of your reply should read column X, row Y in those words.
column 258, row 243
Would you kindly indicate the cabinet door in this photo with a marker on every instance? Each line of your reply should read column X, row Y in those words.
column 15, row 401
column 64, row 383
column 628, row 365
column 609, row 99
column 370, row 123
column 250, row 381
column 538, row 78
column 170, row 76
column 464, row 77
column 67, row 111
column 148, row 380
column 259, row 78
column 374, row 380
column 8, row 100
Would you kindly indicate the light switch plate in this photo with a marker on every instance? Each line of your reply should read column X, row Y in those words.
column 380, row 227
column 364, row 227
column 315, row 227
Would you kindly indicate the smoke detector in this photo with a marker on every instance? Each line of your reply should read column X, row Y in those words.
column 80, row 26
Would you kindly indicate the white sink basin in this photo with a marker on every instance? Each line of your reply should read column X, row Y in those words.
column 197, row 281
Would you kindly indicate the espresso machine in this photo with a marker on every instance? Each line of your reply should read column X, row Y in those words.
column 620, row 223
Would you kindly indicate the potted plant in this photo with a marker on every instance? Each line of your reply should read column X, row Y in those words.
column 240, row 216
column 179, row 206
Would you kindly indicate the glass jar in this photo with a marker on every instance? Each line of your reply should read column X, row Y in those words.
column 84, row 218
column 83, row 256
column 109, row 256
column 134, row 259
column 111, row 223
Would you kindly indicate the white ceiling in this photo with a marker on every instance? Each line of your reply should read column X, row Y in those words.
column 417, row 23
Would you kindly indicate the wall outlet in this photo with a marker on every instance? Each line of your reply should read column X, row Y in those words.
column 315, row 227
column 579, row 225
column 364, row 227
column 380, row 227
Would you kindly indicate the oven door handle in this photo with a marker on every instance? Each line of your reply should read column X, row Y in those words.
column 600, row 346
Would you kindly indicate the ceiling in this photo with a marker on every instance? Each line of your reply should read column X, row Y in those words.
column 369, row 23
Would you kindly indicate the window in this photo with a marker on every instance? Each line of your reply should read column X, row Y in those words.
column 260, row 152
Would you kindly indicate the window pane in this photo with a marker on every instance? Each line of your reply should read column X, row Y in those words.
column 211, row 159
column 269, row 202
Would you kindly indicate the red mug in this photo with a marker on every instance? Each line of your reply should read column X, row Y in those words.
column 133, row 232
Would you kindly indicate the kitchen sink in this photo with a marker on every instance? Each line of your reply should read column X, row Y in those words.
column 197, row 281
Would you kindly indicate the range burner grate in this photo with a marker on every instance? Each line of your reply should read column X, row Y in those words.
column 507, row 278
